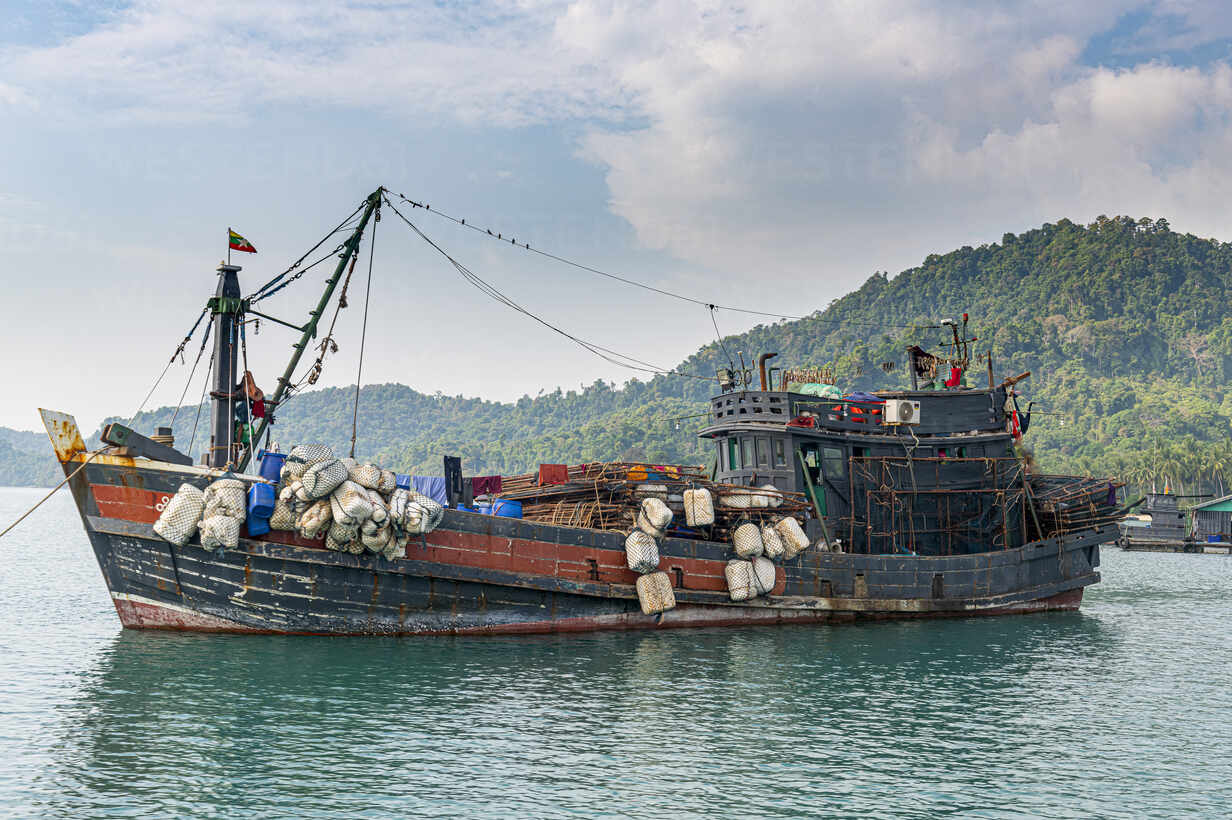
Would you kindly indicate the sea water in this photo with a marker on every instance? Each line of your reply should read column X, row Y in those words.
column 1121, row 710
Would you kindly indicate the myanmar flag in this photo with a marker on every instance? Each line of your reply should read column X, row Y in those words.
column 239, row 243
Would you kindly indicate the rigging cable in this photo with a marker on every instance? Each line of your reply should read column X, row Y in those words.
column 730, row 362
column 363, row 336
column 265, row 295
column 200, row 352
column 479, row 283
column 178, row 351
column 201, row 403
column 264, row 291
column 327, row 345
column 712, row 306
column 244, row 382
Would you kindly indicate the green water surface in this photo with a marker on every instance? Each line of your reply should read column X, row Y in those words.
column 1121, row 710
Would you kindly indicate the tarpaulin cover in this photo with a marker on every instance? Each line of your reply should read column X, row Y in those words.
column 825, row 391
column 860, row 395
column 433, row 486
column 553, row 474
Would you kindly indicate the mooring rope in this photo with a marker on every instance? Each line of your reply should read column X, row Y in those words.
column 50, row 494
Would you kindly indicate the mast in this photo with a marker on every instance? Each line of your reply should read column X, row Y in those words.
column 310, row 329
column 227, row 308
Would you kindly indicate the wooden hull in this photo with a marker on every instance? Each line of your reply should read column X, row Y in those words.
column 479, row 574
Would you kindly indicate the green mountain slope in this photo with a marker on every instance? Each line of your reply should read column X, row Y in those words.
column 1124, row 324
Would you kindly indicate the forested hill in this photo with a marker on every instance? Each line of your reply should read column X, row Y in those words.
column 1124, row 324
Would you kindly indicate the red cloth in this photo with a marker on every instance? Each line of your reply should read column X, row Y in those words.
column 553, row 474
column 802, row 421
column 486, row 484
column 955, row 377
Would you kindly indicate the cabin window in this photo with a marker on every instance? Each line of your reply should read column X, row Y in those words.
column 859, row 452
column 961, row 452
column 733, row 455
column 763, row 452
column 832, row 462
column 746, row 452
column 780, row 453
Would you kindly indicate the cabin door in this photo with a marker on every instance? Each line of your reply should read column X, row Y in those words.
column 825, row 468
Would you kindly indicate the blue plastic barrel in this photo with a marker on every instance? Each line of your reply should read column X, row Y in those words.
column 261, row 501
column 271, row 464
column 483, row 509
column 257, row 526
column 507, row 508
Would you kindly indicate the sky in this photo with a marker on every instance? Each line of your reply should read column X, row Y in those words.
column 769, row 155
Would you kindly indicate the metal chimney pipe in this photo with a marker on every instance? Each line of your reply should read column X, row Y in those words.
column 761, row 368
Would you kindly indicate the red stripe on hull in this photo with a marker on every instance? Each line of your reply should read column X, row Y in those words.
column 128, row 503
column 570, row 562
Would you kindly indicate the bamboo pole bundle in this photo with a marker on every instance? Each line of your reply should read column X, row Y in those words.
column 607, row 495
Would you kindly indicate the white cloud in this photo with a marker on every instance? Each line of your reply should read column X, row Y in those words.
column 808, row 139
column 841, row 138
column 183, row 61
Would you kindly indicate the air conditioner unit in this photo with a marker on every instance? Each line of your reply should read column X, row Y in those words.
column 901, row 411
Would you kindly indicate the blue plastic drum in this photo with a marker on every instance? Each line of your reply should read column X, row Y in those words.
column 271, row 464
column 506, row 508
column 261, row 501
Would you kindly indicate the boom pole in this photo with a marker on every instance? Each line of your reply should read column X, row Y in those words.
column 310, row 329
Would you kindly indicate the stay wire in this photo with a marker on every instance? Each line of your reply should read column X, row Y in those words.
column 262, row 297
column 327, row 345
column 170, row 362
column 188, row 383
column 492, row 292
column 363, row 336
column 588, row 268
column 130, row 423
column 244, row 381
column 580, row 266
column 260, row 292
column 201, row 403
column 730, row 362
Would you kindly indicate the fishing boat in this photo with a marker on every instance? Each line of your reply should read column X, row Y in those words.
column 915, row 505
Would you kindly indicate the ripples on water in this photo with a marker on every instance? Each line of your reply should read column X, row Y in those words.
column 1121, row 710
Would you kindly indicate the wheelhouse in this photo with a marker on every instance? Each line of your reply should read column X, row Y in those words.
column 949, row 483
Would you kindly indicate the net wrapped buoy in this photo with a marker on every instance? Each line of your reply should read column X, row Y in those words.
column 641, row 552
column 747, row 540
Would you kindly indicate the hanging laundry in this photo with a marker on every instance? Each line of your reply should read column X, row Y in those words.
column 433, row 486
column 486, row 484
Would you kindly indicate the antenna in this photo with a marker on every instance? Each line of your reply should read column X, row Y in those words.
column 746, row 375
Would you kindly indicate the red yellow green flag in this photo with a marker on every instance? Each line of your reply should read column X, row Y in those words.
column 239, row 243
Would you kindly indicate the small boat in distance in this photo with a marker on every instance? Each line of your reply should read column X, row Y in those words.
column 913, row 501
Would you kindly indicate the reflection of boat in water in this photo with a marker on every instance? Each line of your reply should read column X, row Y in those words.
column 916, row 507
column 157, row 719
